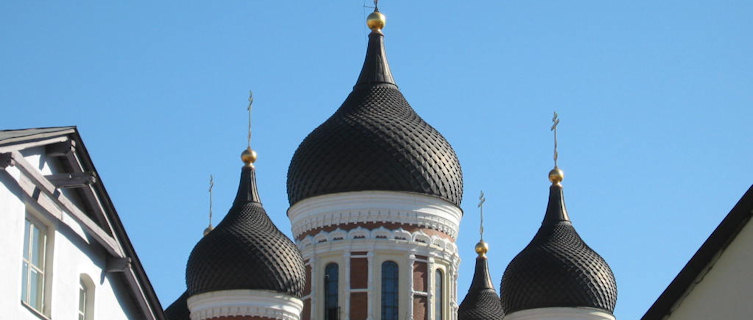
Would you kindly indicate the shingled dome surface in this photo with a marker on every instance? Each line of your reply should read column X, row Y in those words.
column 481, row 302
column 375, row 141
column 245, row 251
column 557, row 269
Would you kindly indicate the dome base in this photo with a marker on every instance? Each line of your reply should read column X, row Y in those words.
column 245, row 303
column 560, row 314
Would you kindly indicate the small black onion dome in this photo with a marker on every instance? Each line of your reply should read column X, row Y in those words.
column 481, row 302
column 375, row 141
column 178, row 310
column 245, row 250
column 557, row 269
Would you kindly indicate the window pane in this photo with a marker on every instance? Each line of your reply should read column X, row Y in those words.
column 389, row 290
column 37, row 249
column 26, row 240
column 35, row 293
column 81, row 300
column 25, row 283
column 331, row 310
column 438, row 298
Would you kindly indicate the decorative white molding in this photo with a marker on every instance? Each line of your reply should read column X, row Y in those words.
column 375, row 206
column 362, row 239
column 251, row 303
column 560, row 314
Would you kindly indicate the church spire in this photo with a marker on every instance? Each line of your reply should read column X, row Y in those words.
column 481, row 302
column 246, row 250
column 558, row 269
column 555, row 210
column 247, row 191
column 210, row 227
column 376, row 69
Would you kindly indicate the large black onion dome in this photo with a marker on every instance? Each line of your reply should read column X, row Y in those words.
column 245, row 250
column 178, row 310
column 557, row 269
column 481, row 302
column 375, row 141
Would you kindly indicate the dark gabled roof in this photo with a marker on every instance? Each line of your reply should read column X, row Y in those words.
column 557, row 269
column 245, row 250
column 23, row 135
column 375, row 141
column 481, row 302
column 722, row 236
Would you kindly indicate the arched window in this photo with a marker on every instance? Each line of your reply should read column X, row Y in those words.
column 330, row 292
column 85, row 298
column 390, row 286
column 438, row 296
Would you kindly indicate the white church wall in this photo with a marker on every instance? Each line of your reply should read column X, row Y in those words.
column 70, row 254
column 560, row 314
column 344, row 210
column 724, row 291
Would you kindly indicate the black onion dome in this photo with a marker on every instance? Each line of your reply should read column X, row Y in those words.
column 375, row 141
column 557, row 269
column 481, row 302
column 245, row 250
column 178, row 310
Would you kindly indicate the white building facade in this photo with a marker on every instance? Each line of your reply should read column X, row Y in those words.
column 65, row 254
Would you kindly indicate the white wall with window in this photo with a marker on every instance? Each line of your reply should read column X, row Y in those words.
column 48, row 259
column 379, row 245
column 389, row 258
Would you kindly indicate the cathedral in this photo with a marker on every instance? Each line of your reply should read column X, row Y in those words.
column 374, row 200
column 375, row 196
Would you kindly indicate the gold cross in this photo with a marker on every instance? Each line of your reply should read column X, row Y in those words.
column 211, row 186
column 250, row 103
column 555, row 122
column 376, row 5
column 481, row 200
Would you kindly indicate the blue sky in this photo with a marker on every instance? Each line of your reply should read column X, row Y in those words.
column 655, row 100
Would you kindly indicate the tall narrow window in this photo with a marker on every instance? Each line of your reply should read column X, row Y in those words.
column 390, row 287
column 82, row 293
column 35, row 242
column 85, row 298
column 438, row 296
column 330, row 292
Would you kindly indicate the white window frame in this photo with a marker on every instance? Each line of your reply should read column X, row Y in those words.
column 439, row 292
column 86, row 292
column 83, row 292
column 43, row 305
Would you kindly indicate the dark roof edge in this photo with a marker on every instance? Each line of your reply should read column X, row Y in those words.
column 120, row 233
column 722, row 236
column 23, row 135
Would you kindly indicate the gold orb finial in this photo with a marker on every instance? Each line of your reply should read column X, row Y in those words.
column 482, row 248
column 248, row 156
column 376, row 21
column 556, row 175
column 208, row 230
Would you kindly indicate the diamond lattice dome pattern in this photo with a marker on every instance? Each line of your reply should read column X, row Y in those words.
column 375, row 141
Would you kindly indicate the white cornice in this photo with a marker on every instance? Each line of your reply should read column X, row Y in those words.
column 560, row 314
column 381, row 239
column 250, row 303
column 375, row 206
